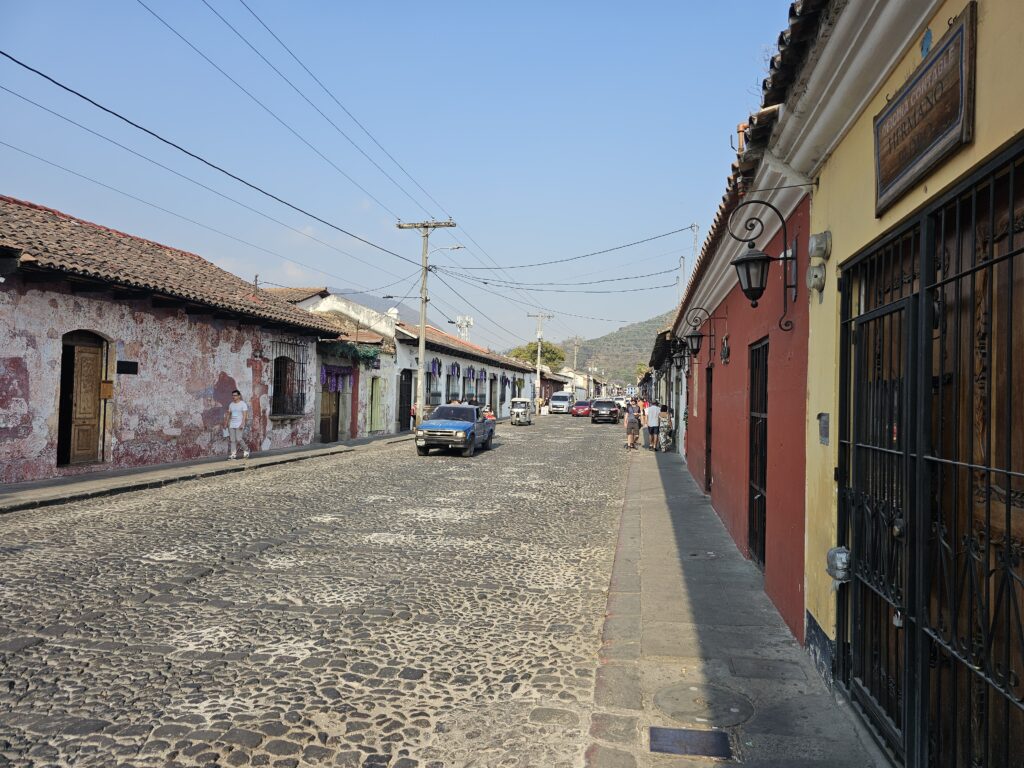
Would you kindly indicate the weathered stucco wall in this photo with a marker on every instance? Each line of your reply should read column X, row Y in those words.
column 171, row 411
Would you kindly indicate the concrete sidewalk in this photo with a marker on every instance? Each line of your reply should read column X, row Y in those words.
column 59, row 490
column 692, row 642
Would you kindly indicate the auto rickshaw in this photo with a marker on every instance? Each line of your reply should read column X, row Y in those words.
column 522, row 411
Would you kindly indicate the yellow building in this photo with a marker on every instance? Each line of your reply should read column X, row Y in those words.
column 910, row 120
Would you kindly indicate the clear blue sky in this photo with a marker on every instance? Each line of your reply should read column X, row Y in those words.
column 545, row 129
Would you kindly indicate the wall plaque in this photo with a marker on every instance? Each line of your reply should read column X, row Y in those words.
column 930, row 117
column 106, row 390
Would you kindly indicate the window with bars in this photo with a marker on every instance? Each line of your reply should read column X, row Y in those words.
column 288, row 397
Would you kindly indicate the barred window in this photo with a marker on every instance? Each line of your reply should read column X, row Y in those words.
column 289, row 394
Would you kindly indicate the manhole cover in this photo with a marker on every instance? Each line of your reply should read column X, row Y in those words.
column 684, row 741
column 705, row 704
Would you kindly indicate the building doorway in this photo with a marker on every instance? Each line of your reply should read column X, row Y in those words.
column 493, row 401
column 708, row 377
column 80, row 419
column 376, row 404
column 758, row 502
column 330, row 406
column 405, row 399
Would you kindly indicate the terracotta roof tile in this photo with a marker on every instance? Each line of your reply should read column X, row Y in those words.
column 295, row 295
column 54, row 240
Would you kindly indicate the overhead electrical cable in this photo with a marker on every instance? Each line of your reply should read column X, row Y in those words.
column 181, row 216
column 588, row 255
column 343, row 108
column 265, row 108
column 515, row 284
column 478, row 310
column 612, row 290
column 206, row 162
column 335, row 99
column 198, row 183
column 305, row 98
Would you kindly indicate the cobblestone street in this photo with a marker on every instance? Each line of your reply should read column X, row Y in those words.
column 369, row 609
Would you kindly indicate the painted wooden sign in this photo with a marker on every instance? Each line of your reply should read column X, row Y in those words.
column 930, row 117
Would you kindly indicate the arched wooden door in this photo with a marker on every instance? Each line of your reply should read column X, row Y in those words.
column 80, row 427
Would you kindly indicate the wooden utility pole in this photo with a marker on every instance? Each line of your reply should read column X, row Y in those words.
column 425, row 228
column 541, row 317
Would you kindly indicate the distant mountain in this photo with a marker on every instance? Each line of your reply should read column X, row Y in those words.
column 617, row 353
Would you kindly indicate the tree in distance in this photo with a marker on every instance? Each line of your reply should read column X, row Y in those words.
column 641, row 369
column 551, row 355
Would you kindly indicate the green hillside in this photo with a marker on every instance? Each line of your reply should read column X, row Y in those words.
column 619, row 352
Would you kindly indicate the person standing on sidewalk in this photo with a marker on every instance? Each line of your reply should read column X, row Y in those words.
column 236, row 417
column 632, row 424
column 653, row 423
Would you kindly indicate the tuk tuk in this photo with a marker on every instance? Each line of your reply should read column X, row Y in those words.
column 522, row 411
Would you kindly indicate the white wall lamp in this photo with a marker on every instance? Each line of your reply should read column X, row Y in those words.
column 819, row 248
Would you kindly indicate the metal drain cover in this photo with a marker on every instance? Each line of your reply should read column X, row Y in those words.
column 707, row 705
column 686, row 741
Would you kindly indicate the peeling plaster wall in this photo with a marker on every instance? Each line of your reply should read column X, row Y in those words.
column 171, row 411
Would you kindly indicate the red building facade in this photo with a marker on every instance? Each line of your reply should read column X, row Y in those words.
column 746, row 408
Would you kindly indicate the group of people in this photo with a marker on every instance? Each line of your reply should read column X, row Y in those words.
column 651, row 416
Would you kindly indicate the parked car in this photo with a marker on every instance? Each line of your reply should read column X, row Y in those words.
column 561, row 402
column 458, row 427
column 521, row 411
column 604, row 410
column 580, row 408
column 621, row 402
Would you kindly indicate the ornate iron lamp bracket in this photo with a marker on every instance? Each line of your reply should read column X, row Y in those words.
column 695, row 318
column 754, row 228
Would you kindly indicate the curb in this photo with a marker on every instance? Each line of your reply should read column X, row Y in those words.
column 215, row 470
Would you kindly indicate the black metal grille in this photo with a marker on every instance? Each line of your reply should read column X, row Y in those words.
column 290, row 380
column 975, row 468
column 931, row 627
column 758, row 450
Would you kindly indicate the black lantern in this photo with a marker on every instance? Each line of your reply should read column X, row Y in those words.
column 752, row 266
column 752, row 270
column 693, row 339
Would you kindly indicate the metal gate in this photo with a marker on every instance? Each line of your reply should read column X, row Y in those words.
column 405, row 401
column 931, row 625
column 758, row 502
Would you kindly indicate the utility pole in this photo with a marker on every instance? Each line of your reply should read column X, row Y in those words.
column 425, row 228
column 541, row 317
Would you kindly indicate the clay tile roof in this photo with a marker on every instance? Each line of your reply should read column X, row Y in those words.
column 52, row 240
column 295, row 295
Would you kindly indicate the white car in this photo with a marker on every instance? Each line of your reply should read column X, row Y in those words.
column 561, row 402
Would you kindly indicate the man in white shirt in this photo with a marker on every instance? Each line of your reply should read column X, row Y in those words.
column 653, row 412
column 235, row 419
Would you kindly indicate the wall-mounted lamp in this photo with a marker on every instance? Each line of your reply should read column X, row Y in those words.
column 752, row 266
column 725, row 349
column 819, row 248
column 695, row 318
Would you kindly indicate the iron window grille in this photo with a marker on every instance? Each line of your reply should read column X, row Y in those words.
column 291, row 358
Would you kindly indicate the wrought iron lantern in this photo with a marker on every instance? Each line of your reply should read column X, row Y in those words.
column 752, row 266
column 693, row 340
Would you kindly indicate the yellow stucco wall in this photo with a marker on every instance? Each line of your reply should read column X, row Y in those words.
column 844, row 203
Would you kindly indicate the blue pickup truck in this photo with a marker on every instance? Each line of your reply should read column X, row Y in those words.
column 461, row 427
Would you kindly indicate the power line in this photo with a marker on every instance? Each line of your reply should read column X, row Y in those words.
column 513, row 284
column 196, row 182
column 570, row 290
column 305, row 98
column 476, row 309
column 588, row 255
column 203, row 160
column 180, row 215
column 265, row 108
column 343, row 108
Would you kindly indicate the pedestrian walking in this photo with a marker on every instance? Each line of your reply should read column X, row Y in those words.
column 644, row 425
column 236, row 417
column 653, row 423
column 632, row 424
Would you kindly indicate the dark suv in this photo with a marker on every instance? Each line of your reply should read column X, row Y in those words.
column 604, row 410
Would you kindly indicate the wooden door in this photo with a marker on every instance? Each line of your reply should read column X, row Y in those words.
column 85, row 405
column 405, row 400
column 329, row 406
column 707, row 429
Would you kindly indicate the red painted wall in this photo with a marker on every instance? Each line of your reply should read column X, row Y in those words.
column 787, row 412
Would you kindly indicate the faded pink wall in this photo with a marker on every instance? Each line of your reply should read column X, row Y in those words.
column 171, row 411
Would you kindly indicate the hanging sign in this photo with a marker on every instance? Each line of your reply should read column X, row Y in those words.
column 930, row 117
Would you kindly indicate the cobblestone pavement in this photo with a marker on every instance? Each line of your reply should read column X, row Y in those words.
column 356, row 610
